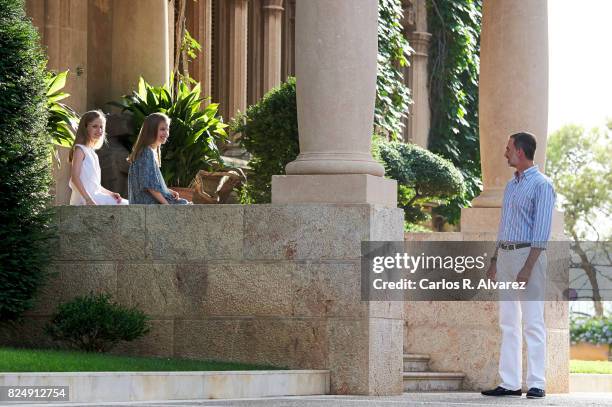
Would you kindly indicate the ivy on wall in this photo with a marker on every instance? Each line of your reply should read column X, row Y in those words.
column 453, row 81
column 392, row 95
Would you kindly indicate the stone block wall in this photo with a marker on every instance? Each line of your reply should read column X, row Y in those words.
column 267, row 284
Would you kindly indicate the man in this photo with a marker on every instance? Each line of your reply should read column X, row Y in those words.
column 520, row 255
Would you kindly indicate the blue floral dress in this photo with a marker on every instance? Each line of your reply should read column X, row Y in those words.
column 145, row 174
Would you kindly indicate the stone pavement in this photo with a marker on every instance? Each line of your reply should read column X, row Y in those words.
column 461, row 399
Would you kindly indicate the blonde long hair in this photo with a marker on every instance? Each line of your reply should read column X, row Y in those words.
column 148, row 135
column 82, row 136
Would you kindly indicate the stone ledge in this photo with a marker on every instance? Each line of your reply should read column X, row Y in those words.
column 591, row 383
column 95, row 387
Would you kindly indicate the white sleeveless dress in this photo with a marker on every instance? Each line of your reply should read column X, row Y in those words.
column 91, row 177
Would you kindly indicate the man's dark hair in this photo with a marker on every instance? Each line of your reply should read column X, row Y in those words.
column 526, row 142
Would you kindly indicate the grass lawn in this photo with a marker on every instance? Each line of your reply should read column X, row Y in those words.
column 35, row 360
column 587, row 366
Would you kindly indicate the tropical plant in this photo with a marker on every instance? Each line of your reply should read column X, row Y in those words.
column 26, row 232
column 194, row 132
column 453, row 93
column 94, row 323
column 270, row 134
column 392, row 95
column 63, row 120
column 423, row 178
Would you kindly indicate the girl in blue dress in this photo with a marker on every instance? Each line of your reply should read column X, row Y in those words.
column 146, row 184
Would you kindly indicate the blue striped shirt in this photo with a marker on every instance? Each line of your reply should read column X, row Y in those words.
column 529, row 200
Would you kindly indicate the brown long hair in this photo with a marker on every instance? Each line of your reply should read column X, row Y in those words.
column 148, row 135
column 81, row 134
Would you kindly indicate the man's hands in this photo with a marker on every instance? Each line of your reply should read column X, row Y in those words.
column 524, row 274
column 492, row 270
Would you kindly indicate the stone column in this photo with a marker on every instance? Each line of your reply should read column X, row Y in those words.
column 336, row 52
column 513, row 87
column 420, row 118
column 237, row 91
column 141, row 44
column 199, row 24
column 255, row 52
column 273, row 19
column 288, row 61
column 513, row 98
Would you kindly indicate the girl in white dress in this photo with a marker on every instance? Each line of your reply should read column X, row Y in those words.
column 85, row 179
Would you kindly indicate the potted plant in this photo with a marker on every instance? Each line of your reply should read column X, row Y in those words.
column 195, row 131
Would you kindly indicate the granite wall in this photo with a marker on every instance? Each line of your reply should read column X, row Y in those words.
column 267, row 284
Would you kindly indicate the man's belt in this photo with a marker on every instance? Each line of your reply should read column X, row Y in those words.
column 513, row 246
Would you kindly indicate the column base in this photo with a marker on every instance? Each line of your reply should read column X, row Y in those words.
column 349, row 188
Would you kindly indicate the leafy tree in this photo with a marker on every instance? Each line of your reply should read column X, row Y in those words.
column 25, row 218
column 579, row 164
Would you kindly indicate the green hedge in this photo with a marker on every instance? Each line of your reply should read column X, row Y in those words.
column 270, row 133
column 93, row 323
column 24, row 163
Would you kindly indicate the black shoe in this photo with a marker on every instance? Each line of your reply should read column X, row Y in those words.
column 535, row 393
column 500, row 391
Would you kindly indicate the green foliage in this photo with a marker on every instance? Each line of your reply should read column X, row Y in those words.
column 579, row 165
column 270, row 134
column 194, row 132
column 392, row 95
column 63, row 120
column 422, row 177
column 26, row 233
column 95, row 324
column 453, row 80
column 595, row 330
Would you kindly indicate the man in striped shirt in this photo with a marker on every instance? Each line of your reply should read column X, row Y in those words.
column 520, row 255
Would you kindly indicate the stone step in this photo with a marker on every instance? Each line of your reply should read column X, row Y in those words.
column 416, row 362
column 432, row 381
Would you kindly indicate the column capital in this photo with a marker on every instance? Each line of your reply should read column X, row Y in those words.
column 419, row 41
column 273, row 5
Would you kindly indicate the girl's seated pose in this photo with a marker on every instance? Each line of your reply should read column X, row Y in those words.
column 85, row 175
column 145, row 182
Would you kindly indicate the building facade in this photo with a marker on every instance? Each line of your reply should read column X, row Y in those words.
column 248, row 48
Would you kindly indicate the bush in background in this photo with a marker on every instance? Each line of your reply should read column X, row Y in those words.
column 270, row 134
column 423, row 178
column 95, row 324
column 595, row 330
column 25, row 175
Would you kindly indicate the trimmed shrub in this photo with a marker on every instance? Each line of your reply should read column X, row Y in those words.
column 24, row 163
column 270, row 133
column 595, row 330
column 422, row 177
column 95, row 324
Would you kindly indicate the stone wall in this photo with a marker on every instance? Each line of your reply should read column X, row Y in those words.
column 465, row 336
column 266, row 284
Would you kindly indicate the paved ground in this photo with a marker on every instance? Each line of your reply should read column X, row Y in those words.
column 406, row 400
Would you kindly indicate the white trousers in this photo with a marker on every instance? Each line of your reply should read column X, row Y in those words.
column 522, row 314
